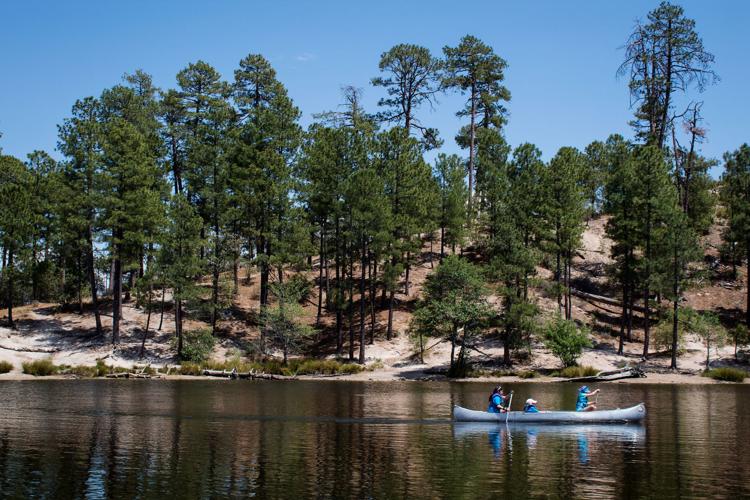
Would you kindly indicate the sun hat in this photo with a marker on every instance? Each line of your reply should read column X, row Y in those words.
column 584, row 388
column 531, row 401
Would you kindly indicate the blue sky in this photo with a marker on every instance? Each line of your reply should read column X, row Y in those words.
column 562, row 57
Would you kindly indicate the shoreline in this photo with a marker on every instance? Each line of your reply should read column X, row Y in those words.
column 650, row 379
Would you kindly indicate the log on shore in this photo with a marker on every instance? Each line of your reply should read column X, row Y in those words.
column 127, row 375
column 603, row 299
column 234, row 374
column 610, row 375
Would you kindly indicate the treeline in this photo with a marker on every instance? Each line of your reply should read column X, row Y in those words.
column 164, row 190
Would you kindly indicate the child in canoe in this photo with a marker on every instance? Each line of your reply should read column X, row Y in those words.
column 582, row 404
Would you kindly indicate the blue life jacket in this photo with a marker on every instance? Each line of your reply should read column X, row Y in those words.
column 583, row 401
column 530, row 409
column 496, row 400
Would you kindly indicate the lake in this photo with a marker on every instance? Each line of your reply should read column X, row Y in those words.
column 334, row 439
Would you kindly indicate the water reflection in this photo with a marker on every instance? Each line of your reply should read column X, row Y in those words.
column 585, row 436
column 125, row 439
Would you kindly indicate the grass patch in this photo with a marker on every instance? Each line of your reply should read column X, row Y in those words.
column 576, row 371
column 40, row 367
column 5, row 367
column 375, row 365
column 275, row 367
column 726, row 374
column 528, row 374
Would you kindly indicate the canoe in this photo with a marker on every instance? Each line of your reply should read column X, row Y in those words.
column 632, row 414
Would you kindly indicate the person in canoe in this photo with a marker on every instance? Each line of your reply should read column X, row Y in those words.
column 498, row 401
column 530, row 406
column 582, row 404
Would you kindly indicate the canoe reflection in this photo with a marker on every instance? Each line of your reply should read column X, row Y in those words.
column 584, row 435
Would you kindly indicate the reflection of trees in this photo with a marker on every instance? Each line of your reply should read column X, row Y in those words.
column 202, row 439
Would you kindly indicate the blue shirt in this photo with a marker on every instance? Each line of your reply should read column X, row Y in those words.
column 497, row 399
column 583, row 401
column 530, row 409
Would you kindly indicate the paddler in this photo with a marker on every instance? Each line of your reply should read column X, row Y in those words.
column 582, row 404
column 497, row 401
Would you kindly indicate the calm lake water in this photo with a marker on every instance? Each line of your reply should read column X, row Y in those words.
column 214, row 439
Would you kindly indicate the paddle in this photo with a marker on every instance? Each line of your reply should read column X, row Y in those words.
column 507, row 410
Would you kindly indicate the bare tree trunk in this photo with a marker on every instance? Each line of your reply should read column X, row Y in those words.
column 178, row 326
column 11, row 278
column 320, row 280
column 362, row 301
column 373, row 278
column 92, row 279
column 116, row 298
column 163, row 294
column 148, row 321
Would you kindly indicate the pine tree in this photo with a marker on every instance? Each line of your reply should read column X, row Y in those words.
column 652, row 202
column 663, row 58
column 412, row 80
column 736, row 196
column 178, row 258
column 410, row 190
column 16, row 222
column 565, row 213
column 473, row 67
column 449, row 173
column 678, row 248
column 622, row 226
column 370, row 225
column 80, row 138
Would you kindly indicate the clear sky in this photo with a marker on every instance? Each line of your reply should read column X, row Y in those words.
column 562, row 57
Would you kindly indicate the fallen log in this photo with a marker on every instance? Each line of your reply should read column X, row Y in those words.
column 234, row 374
column 611, row 375
column 46, row 350
column 605, row 300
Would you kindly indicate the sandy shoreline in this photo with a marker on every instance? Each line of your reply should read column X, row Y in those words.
column 385, row 376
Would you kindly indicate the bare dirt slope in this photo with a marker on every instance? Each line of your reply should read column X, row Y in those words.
column 44, row 330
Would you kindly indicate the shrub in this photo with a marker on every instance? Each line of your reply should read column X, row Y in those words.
column 5, row 367
column 565, row 340
column 39, row 368
column 576, row 371
column 726, row 374
column 197, row 345
column 528, row 374
column 191, row 369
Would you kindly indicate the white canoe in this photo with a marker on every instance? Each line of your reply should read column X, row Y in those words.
column 632, row 414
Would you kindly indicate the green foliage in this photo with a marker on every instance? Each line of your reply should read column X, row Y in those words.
column 735, row 194
column 5, row 367
column 727, row 374
column 40, row 367
column 565, row 340
column 454, row 299
column 195, row 369
column 280, row 320
column 740, row 336
column 528, row 374
column 197, row 345
column 707, row 327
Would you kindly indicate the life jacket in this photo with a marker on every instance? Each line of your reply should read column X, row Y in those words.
column 530, row 408
column 582, row 402
column 492, row 408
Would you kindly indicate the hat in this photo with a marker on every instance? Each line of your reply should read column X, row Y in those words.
column 584, row 388
column 531, row 401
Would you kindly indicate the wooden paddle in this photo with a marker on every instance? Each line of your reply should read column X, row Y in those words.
column 507, row 410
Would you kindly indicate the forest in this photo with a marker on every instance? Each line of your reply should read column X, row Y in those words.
column 173, row 198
